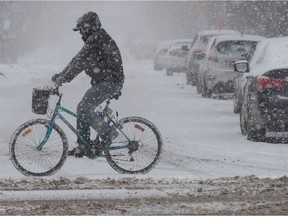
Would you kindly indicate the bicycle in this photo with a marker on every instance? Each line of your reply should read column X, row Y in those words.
column 39, row 147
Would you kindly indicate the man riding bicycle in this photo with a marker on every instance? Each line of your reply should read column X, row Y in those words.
column 101, row 59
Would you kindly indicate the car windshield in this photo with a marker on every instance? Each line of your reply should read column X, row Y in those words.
column 235, row 47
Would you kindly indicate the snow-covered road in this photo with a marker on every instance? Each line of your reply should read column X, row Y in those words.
column 201, row 136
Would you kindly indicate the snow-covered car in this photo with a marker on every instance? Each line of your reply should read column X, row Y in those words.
column 196, row 53
column 176, row 55
column 218, row 75
column 265, row 89
column 159, row 61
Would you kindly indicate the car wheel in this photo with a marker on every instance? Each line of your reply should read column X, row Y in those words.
column 157, row 67
column 194, row 80
column 209, row 93
column 243, row 122
column 254, row 133
column 236, row 105
column 169, row 72
column 198, row 87
column 204, row 90
column 188, row 78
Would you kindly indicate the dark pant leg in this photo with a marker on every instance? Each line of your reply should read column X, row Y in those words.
column 83, row 127
column 95, row 96
column 98, row 123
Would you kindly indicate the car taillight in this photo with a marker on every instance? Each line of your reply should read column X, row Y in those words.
column 269, row 83
column 211, row 77
column 197, row 52
column 212, row 56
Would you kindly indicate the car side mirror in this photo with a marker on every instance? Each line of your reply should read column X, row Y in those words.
column 241, row 66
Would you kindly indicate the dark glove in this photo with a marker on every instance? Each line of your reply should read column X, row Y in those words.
column 55, row 77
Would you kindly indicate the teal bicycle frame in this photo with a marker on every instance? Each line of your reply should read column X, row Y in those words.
column 57, row 114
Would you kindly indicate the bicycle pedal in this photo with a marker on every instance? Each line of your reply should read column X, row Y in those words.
column 71, row 153
column 76, row 155
column 92, row 156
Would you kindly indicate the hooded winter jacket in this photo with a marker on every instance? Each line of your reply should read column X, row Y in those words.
column 99, row 57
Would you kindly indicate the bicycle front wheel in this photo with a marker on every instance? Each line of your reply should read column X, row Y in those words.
column 144, row 146
column 31, row 161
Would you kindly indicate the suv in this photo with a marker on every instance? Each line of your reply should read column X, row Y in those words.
column 159, row 61
column 265, row 90
column 196, row 53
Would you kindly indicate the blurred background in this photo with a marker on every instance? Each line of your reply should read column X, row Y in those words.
column 26, row 26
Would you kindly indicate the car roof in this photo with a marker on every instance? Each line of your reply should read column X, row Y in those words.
column 183, row 40
column 238, row 37
column 270, row 54
column 166, row 43
column 217, row 32
column 209, row 34
column 180, row 41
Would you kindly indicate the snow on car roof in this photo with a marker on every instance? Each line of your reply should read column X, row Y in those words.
column 183, row 41
column 239, row 37
column 180, row 42
column 164, row 44
column 217, row 32
column 270, row 54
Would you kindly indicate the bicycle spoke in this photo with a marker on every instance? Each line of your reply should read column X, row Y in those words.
column 31, row 161
column 142, row 159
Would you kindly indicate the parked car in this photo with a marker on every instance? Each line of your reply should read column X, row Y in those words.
column 238, row 94
column 159, row 61
column 176, row 55
column 202, row 65
column 265, row 89
column 195, row 54
column 218, row 76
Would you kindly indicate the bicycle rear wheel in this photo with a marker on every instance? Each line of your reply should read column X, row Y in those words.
column 143, row 150
column 33, row 162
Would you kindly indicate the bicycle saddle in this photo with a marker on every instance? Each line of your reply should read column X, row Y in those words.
column 116, row 96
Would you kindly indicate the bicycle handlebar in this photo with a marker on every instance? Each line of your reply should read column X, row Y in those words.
column 55, row 91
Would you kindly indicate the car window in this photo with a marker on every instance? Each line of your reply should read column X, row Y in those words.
column 178, row 45
column 251, row 53
column 235, row 47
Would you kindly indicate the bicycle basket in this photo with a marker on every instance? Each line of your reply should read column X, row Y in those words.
column 40, row 101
